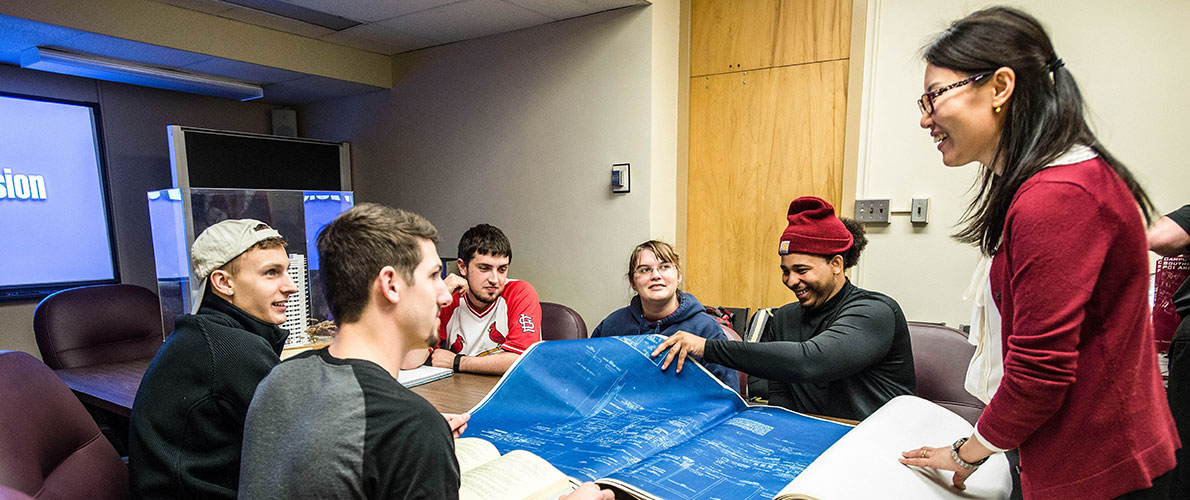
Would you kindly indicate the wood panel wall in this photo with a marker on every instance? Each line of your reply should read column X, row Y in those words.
column 768, row 100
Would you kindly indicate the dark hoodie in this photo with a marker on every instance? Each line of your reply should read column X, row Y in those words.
column 188, row 417
column 690, row 316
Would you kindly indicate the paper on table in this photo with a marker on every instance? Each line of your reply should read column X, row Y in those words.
column 872, row 450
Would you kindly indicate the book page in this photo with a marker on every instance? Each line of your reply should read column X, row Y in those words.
column 518, row 475
column 473, row 452
column 871, row 451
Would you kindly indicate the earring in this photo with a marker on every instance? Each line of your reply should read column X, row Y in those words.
column 997, row 109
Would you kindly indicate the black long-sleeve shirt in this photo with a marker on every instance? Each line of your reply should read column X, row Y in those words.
column 188, row 417
column 845, row 358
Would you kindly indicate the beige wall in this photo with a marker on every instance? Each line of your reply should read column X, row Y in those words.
column 668, row 73
column 1130, row 62
column 520, row 130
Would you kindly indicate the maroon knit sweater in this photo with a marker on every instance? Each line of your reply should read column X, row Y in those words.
column 1081, row 394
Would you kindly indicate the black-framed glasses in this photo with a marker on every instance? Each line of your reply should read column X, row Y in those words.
column 926, row 102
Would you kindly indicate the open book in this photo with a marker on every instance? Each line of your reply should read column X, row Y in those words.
column 601, row 410
column 518, row 475
column 422, row 375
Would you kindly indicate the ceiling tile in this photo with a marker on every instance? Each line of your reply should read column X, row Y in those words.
column 273, row 21
column 602, row 5
column 208, row 6
column 555, row 9
column 465, row 20
column 370, row 10
column 377, row 39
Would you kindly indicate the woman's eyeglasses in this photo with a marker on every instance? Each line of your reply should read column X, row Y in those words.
column 662, row 268
column 926, row 103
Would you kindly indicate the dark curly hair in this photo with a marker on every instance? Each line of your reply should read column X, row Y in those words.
column 851, row 255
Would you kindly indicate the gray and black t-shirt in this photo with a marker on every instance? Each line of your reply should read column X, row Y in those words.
column 322, row 427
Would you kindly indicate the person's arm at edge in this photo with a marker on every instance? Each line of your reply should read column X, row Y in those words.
column 1167, row 238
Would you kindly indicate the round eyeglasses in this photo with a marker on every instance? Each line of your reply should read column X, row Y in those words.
column 926, row 102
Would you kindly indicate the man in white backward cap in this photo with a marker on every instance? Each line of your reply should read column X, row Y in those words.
column 188, row 417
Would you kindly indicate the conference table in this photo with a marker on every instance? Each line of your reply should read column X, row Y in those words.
column 112, row 386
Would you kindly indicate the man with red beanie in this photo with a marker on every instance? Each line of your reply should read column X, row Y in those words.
column 840, row 350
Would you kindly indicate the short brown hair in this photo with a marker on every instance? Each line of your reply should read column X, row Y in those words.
column 233, row 266
column 484, row 239
column 358, row 244
column 664, row 252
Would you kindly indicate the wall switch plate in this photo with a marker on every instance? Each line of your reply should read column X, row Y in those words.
column 919, row 211
column 871, row 211
column 621, row 180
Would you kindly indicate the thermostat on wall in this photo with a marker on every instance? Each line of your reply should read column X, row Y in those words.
column 621, row 183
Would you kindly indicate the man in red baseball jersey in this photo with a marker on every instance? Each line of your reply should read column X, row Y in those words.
column 491, row 319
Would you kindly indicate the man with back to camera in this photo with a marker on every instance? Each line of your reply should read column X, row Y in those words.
column 840, row 350
column 491, row 319
column 1170, row 237
column 335, row 423
column 188, row 416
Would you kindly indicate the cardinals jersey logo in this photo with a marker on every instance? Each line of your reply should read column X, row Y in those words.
column 526, row 323
column 457, row 346
column 495, row 335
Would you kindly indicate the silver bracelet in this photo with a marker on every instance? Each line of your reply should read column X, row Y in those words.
column 954, row 454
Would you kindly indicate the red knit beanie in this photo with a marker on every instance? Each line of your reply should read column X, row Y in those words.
column 814, row 229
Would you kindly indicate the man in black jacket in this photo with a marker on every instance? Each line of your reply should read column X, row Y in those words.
column 840, row 350
column 188, row 417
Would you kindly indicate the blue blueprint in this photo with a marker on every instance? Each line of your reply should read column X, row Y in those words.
column 601, row 408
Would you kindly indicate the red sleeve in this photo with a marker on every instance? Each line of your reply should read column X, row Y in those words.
column 1054, row 256
column 524, row 316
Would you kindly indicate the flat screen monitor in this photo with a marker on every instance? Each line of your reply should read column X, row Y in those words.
column 204, row 158
column 55, row 224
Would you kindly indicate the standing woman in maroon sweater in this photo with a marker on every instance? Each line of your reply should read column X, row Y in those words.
column 1081, row 397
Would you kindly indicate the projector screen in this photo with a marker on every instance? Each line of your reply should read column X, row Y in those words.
column 55, row 229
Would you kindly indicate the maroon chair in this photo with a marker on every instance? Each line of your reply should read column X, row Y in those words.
column 97, row 324
column 559, row 322
column 51, row 447
column 7, row 493
column 940, row 358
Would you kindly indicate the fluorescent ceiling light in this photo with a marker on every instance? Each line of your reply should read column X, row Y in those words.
column 102, row 68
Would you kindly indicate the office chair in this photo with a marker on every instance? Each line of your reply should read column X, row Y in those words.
column 559, row 322
column 940, row 358
column 52, row 448
column 97, row 324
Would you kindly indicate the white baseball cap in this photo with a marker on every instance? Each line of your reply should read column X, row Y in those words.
column 220, row 244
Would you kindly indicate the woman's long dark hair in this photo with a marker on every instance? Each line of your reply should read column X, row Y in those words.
column 1044, row 115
